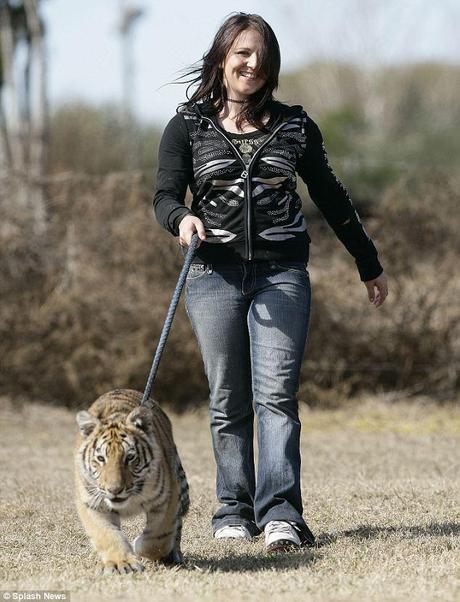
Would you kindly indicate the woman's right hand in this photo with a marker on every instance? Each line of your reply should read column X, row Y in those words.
column 187, row 227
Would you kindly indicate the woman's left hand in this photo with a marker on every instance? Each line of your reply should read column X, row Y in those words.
column 381, row 284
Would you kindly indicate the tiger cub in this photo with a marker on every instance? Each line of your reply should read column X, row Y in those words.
column 126, row 463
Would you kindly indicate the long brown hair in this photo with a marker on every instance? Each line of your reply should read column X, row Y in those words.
column 209, row 75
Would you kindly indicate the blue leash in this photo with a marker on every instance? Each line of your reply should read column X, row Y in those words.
column 169, row 317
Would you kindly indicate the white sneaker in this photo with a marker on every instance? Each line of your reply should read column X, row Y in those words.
column 280, row 535
column 232, row 532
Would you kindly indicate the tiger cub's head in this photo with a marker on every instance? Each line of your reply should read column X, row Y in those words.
column 115, row 457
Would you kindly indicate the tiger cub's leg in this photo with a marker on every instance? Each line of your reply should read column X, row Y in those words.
column 175, row 556
column 158, row 540
column 111, row 544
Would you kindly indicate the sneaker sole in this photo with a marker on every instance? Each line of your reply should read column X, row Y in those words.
column 234, row 538
column 282, row 545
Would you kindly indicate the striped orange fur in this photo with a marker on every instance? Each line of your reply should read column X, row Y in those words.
column 126, row 463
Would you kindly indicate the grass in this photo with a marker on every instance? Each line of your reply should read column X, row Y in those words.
column 381, row 493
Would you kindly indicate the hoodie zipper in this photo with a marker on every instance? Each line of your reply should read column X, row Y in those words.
column 246, row 175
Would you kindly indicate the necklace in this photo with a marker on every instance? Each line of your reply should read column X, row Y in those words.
column 238, row 101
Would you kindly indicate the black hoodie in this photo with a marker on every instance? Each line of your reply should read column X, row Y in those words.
column 252, row 211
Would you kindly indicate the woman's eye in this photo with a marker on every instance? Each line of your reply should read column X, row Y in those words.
column 100, row 458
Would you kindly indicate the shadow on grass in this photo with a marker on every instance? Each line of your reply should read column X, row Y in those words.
column 244, row 562
column 234, row 562
column 369, row 532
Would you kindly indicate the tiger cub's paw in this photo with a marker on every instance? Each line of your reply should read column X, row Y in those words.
column 147, row 548
column 122, row 566
column 174, row 558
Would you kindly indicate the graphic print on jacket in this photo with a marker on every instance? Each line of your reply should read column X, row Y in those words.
column 277, row 172
column 249, row 206
column 274, row 213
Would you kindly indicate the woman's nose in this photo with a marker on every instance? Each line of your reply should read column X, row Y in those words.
column 252, row 62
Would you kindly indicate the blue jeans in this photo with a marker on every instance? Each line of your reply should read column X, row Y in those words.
column 251, row 322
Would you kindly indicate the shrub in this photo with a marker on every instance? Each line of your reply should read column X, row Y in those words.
column 83, row 304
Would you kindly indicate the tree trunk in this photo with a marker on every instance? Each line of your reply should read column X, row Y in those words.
column 9, row 89
column 5, row 153
column 38, row 103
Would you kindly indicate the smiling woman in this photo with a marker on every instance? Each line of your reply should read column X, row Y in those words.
column 248, row 290
column 242, row 65
column 243, row 75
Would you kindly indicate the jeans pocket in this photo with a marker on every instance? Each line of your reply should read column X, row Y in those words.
column 197, row 270
column 291, row 266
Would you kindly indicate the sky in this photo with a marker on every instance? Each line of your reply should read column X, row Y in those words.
column 84, row 46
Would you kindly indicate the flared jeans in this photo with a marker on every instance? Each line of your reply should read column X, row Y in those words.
column 251, row 322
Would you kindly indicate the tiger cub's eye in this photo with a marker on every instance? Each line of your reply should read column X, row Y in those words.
column 100, row 458
column 130, row 457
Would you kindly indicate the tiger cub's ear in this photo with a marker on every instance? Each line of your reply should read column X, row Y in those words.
column 87, row 422
column 141, row 418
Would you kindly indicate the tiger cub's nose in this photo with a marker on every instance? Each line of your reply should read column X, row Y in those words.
column 114, row 491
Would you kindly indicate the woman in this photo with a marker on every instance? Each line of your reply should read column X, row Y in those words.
column 248, row 290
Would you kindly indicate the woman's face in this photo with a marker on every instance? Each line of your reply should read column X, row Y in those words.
column 241, row 77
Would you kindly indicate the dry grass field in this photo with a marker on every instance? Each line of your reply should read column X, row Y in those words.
column 381, row 493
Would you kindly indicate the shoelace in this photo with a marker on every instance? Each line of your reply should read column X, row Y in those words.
column 279, row 526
